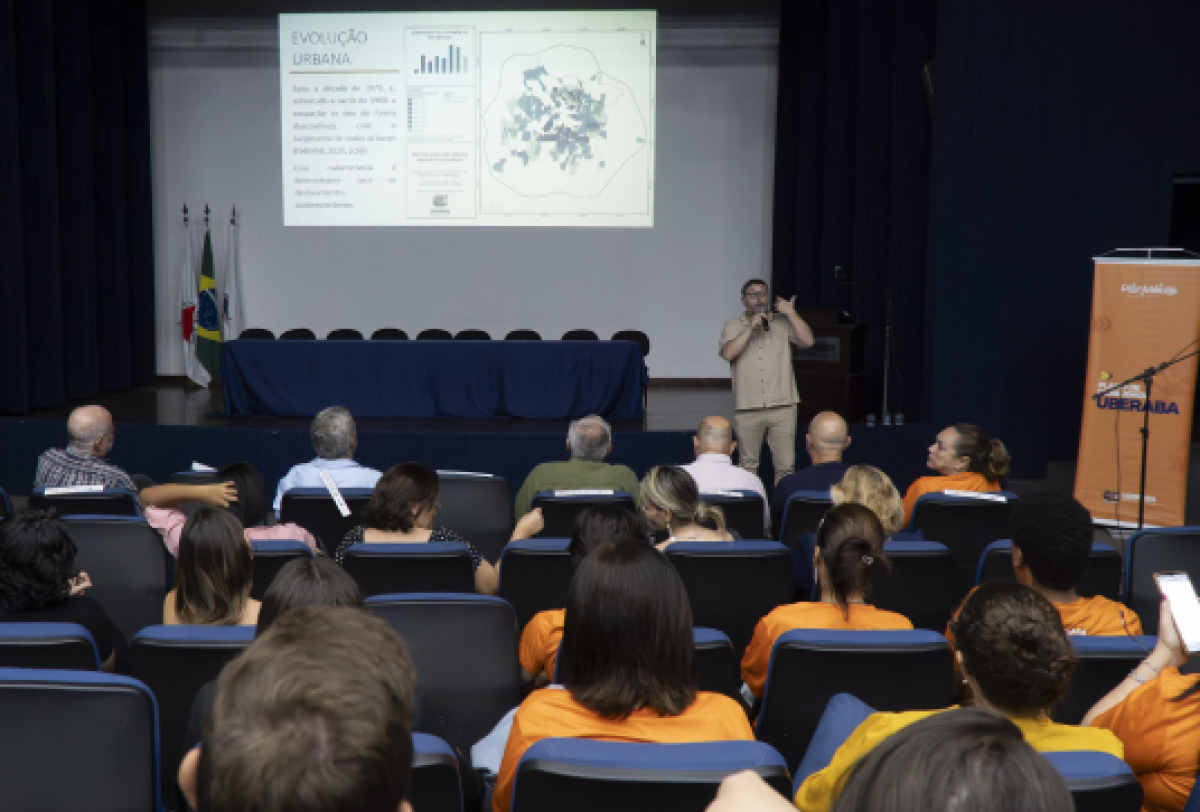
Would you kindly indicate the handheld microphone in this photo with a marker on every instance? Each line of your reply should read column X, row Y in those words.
column 766, row 325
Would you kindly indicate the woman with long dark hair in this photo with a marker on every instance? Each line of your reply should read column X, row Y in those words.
column 214, row 573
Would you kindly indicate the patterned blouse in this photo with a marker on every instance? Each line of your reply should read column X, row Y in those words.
column 356, row 535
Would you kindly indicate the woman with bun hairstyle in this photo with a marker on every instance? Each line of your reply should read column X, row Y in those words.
column 1017, row 660
column 671, row 502
column 849, row 550
column 868, row 486
column 966, row 459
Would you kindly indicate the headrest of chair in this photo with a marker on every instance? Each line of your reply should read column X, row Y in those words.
column 103, row 517
column 1116, row 645
column 724, row 494
column 745, row 549
column 1080, row 766
column 260, row 546
column 321, row 493
column 430, row 748
column 430, row 549
column 704, row 636
column 49, row 633
column 81, row 490
column 465, row 475
column 968, row 497
column 65, row 677
column 537, row 546
column 447, row 598
column 724, row 757
column 584, row 495
column 915, row 548
column 837, row 640
column 810, row 496
column 195, row 636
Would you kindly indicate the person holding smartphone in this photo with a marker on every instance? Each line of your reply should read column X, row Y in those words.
column 1155, row 712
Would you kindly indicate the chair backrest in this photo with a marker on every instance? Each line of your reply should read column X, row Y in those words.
column 174, row 662
column 810, row 666
column 534, row 576
column 472, row 335
column 298, row 334
column 733, row 585
column 389, row 334
column 75, row 501
column 919, row 585
column 802, row 514
column 1102, row 577
column 435, row 783
column 127, row 562
column 269, row 558
column 1151, row 551
column 1104, row 663
column 585, row 775
column 637, row 337
column 385, row 569
column 435, row 334
column 718, row 668
column 194, row 478
column 1099, row 782
column 580, row 335
column 965, row 524
column 344, row 334
column 523, row 335
column 47, row 645
column 478, row 507
column 315, row 511
column 464, row 648
column 559, row 508
column 78, row 740
column 256, row 334
column 5, row 505
column 743, row 511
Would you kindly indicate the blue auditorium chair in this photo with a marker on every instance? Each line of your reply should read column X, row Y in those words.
column 841, row 717
column 315, row 511
column 534, row 576
column 175, row 662
column 1151, row 551
column 105, row 502
column 464, row 648
column 560, row 507
column 384, row 569
column 584, row 775
column 1102, row 577
column 802, row 514
column 77, row 740
column 965, row 524
column 733, row 585
column 1104, row 662
column 270, row 556
column 478, row 507
column 919, row 585
column 743, row 511
column 47, row 645
column 194, row 478
column 1098, row 782
column 888, row 670
column 435, row 785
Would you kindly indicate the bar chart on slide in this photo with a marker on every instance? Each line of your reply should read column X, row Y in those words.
column 440, row 55
column 451, row 62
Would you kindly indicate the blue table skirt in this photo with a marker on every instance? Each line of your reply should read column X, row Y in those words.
column 530, row 379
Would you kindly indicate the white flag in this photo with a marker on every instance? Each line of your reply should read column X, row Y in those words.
column 185, row 316
column 232, row 309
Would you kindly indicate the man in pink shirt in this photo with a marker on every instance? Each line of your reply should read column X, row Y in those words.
column 714, row 470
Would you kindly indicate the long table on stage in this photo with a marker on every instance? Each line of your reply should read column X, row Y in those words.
column 543, row 380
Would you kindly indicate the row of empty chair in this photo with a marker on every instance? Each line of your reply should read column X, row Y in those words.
column 437, row 334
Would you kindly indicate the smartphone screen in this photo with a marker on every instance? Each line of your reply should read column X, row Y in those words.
column 1177, row 588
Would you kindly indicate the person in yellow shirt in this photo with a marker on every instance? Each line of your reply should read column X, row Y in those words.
column 966, row 459
column 849, row 548
column 628, row 665
column 1017, row 660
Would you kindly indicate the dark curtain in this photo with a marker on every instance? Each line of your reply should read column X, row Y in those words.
column 76, row 264
column 1059, row 127
column 851, row 175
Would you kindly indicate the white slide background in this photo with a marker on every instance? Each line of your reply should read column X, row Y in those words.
column 215, row 117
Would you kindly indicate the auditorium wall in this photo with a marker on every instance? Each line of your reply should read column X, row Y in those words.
column 216, row 139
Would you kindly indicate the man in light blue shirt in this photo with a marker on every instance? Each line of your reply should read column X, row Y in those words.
column 335, row 439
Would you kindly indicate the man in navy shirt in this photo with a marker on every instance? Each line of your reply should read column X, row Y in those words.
column 828, row 437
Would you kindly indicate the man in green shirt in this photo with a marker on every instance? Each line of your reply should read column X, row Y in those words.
column 588, row 440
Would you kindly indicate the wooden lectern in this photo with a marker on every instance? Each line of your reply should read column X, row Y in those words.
column 829, row 374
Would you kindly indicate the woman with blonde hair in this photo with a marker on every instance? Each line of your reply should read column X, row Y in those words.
column 866, row 485
column 671, row 502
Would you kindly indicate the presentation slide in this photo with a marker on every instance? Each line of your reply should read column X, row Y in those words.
column 539, row 118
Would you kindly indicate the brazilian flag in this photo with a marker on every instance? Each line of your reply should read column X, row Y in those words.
column 208, row 319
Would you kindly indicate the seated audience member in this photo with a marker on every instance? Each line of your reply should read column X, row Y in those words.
column 39, row 582
column 828, row 437
column 316, row 715
column 250, row 508
column 402, row 509
column 714, row 470
column 965, row 459
column 335, row 439
column 539, row 641
column 213, row 574
column 849, row 549
column 93, row 435
column 671, row 503
column 628, row 665
column 967, row 760
column 868, row 486
column 1155, row 712
column 1017, row 660
column 589, row 440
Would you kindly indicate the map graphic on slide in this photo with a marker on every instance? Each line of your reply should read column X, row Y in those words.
column 560, row 124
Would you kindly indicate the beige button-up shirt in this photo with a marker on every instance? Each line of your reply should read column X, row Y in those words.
column 762, row 374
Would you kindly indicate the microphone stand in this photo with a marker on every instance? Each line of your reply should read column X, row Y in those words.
column 1148, row 378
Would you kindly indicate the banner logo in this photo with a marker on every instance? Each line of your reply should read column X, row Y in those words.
column 1148, row 291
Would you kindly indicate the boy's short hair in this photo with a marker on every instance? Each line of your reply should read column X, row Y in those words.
column 1054, row 534
column 315, row 716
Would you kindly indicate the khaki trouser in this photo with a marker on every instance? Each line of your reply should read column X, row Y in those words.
column 779, row 425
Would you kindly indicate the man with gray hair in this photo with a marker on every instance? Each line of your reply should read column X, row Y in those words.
column 589, row 439
column 335, row 440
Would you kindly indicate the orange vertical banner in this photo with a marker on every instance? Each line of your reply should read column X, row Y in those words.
column 1144, row 312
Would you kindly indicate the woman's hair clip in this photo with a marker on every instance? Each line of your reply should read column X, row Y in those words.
column 868, row 560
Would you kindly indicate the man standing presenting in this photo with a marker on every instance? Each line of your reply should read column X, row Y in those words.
column 757, row 346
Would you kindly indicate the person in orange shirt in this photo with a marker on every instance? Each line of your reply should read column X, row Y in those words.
column 628, row 665
column 1156, row 713
column 539, row 641
column 965, row 459
column 849, row 548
